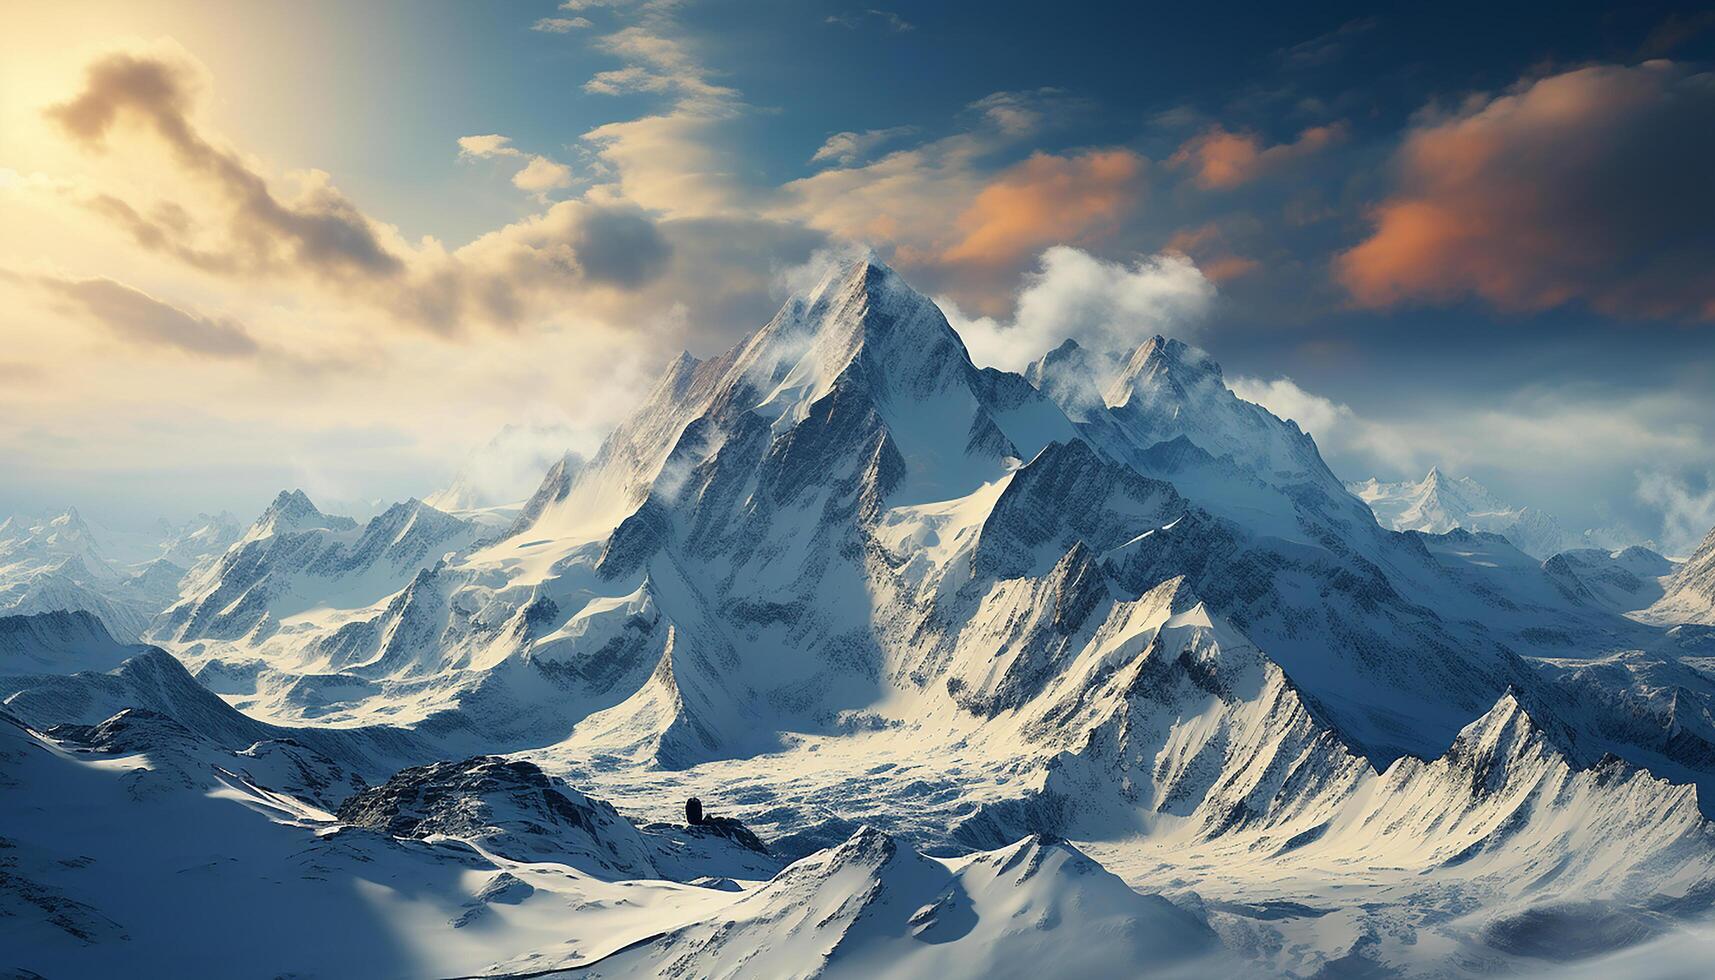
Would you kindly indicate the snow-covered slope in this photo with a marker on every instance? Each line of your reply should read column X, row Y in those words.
column 65, row 563
column 1689, row 595
column 59, row 642
column 421, row 876
column 1626, row 581
column 874, row 907
column 295, row 561
column 133, row 848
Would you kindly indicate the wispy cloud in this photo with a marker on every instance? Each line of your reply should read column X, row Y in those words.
column 138, row 318
column 560, row 25
column 1326, row 48
column 848, row 148
column 886, row 18
column 1022, row 113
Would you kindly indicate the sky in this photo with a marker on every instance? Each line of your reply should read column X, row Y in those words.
column 335, row 246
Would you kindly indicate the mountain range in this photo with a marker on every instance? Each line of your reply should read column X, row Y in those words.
column 1439, row 503
column 64, row 562
column 1092, row 669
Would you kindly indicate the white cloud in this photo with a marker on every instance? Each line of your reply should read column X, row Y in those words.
column 848, row 148
column 807, row 275
column 1021, row 113
column 1314, row 414
column 1570, row 452
column 1687, row 514
column 560, row 25
column 539, row 175
column 1337, row 429
column 490, row 145
column 1102, row 305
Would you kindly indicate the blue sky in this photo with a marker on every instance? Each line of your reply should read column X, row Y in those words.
column 1443, row 234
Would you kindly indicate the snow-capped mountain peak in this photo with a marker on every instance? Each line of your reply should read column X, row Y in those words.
column 1075, row 377
column 1163, row 371
column 862, row 318
column 291, row 511
column 1441, row 502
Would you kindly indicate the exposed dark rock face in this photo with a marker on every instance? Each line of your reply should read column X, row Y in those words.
column 730, row 829
column 510, row 807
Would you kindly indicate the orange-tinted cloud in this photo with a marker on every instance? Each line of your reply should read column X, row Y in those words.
column 1048, row 200
column 1221, row 159
column 1588, row 186
column 1207, row 246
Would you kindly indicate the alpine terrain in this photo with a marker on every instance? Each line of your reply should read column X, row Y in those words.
column 1095, row 669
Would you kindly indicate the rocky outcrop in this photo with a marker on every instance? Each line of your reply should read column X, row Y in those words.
column 509, row 807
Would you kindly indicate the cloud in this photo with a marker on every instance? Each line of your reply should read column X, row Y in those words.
column 1687, row 510
column 1048, row 199
column 1675, row 31
column 682, row 159
column 681, row 162
column 1107, row 306
column 939, row 211
column 491, row 145
column 1591, row 186
column 522, row 269
column 1207, row 246
column 234, row 225
column 141, row 319
column 848, row 148
column 1282, row 396
column 539, row 175
column 1337, row 429
column 619, row 246
column 909, row 198
column 1022, row 113
column 885, row 18
column 16, row 373
column 1580, row 451
column 1329, row 47
column 660, row 63
column 560, row 25
column 1221, row 160
column 320, row 232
